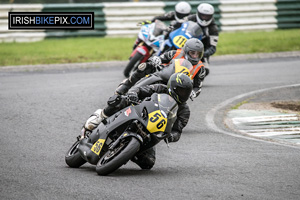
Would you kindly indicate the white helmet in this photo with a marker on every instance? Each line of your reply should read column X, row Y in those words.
column 182, row 9
column 205, row 14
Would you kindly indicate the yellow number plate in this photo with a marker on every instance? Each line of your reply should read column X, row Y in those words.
column 179, row 41
column 96, row 148
column 181, row 69
column 156, row 122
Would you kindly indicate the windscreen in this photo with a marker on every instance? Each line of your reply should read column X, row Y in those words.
column 194, row 29
column 167, row 104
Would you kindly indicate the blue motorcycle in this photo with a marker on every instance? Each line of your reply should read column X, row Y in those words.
column 178, row 37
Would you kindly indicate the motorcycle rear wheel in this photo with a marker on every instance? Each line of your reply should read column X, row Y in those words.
column 73, row 157
column 114, row 159
column 133, row 63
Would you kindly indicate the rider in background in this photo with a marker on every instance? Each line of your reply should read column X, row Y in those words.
column 205, row 19
column 179, row 87
column 192, row 51
column 182, row 10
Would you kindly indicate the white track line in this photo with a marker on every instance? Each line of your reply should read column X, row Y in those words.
column 210, row 116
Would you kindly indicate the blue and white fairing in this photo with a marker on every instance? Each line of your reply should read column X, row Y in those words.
column 152, row 34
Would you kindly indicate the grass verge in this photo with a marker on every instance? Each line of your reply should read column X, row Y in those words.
column 79, row 49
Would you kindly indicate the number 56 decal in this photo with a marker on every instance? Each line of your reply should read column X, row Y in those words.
column 157, row 122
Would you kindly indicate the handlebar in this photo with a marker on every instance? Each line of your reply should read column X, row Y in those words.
column 130, row 101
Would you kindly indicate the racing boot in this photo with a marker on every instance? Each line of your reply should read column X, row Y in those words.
column 134, row 77
column 146, row 159
column 124, row 86
column 142, row 70
column 93, row 121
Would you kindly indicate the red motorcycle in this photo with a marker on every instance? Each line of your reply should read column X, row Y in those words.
column 149, row 39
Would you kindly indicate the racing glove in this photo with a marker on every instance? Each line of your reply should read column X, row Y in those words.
column 195, row 92
column 145, row 22
column 132, row 96
column 174, row 137
column 156, row 61
column 170, row 28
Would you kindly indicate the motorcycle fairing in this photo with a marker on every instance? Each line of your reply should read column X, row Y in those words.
column 144, row 33
column 152, row 34
column 142, row 50
column 187, row 30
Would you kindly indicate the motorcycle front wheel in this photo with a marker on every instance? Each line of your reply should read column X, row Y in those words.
column 73, row 157
column 133, row 63
column 115, row 158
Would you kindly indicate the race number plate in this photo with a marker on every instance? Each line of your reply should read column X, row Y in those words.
column 179, row 41
column 157, row 122
column 96, row 148
column 181, row 69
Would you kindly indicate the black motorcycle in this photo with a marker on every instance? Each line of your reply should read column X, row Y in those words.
column 125, row 134
column 162, row 76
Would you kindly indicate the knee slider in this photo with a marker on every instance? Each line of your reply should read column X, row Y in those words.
column 142, row 67
column 94, row 120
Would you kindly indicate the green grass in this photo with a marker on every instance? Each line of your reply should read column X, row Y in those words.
column 239, row 105
column 92, row 49
column 255, row 42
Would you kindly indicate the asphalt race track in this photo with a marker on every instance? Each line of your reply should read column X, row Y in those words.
column 42, row 112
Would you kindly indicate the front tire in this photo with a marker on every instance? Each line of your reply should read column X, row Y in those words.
column 114, row 159
column 73, row 157
column 133, row 63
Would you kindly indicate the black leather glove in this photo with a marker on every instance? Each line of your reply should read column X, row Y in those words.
column 174, row 136
column 132, row 96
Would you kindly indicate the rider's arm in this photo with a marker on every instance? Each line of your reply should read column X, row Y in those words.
column 191, row 18
column 183, row 115
column 167, row 56
column 213, row 37
column 148, row 90
column 157, row 61
column 166, row 17
column 197, row 83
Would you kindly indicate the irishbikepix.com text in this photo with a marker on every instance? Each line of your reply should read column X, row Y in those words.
column 51, row 20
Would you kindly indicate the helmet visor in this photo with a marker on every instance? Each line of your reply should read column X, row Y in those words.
column 180, row 15
column 204, row 17
column 183, row 93
column 195, row 54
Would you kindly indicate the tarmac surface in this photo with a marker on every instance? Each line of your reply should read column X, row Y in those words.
column 257, row 117
column 44, row 107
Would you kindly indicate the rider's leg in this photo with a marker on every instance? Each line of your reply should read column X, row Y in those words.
column 92, row 122
column 146, row 159
column 114, row 104
column 143, row 70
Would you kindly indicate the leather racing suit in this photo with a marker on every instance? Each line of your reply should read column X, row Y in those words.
column 150, row 67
